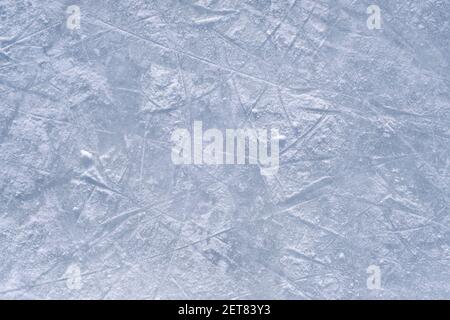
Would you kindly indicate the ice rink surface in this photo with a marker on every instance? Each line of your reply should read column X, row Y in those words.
column 92, row 207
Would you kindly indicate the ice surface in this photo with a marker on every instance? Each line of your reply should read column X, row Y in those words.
column 91, row 205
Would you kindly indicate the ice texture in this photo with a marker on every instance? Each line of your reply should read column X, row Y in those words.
column 92, row 207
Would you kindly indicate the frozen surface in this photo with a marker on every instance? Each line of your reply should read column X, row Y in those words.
column 91, row 205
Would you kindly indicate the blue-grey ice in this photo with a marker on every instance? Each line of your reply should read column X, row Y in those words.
column 92, row 206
